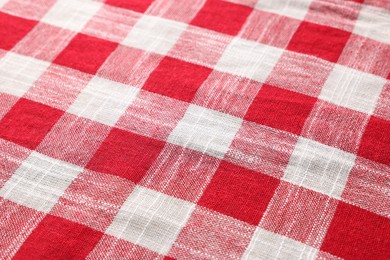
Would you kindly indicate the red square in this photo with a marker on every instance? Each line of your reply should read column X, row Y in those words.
column 13, row 29
column 221, row 16
column 375, row 143
column 28, row 122
column 176, row 79
column 74, row 139
column 357, row 234
column 180, row 172
column 368, row 185
column 335, row 126
column 16, row 224
column 281, row 109
column 58, row 238
column 126, row 155
column 93, row 199
column 322, row 41
column 85, row 53
column 211, row 235
column 135, row 5
column 152, row 115
column 239, row 193
column 299, row 213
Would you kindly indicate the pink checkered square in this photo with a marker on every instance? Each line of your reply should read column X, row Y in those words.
column 335, row 126
column 152, row 115
column 74, row 139
column 275, row 30
column 111, row 23
column 58, row 86
column 7, row 103
column 44, row 42
column 382, row 108
column 86, row 202
column 261, row 148
column 200, row 46
column 338, row 14
column 112, row 247
column 200, row 238
column 299, row 213
column 178, row 10
column 31, row 9
column 300, row 73
column 11, row 157
column 16, row 224
column 129, row 66
column 368, row 185
column 367, row 55
column 181, row 172
column 227, row 93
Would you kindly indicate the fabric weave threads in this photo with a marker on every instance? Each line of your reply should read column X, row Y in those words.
column 204, row 129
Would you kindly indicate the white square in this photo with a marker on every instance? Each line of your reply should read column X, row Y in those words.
column 268, row 245
column 151, row 219
column 71, row 14
column 374, row 23
column 206, row 131
column 103, row 101
column 18, row 73
column 154, row 34
column 39, row 182
column 249, row 59
column 352, row 89
column 292, row 8
column 319, row 167
column 2, row 2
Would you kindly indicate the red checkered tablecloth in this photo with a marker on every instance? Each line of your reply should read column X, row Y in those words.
column 195, row 129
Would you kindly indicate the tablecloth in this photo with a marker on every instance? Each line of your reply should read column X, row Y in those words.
column 194, row 129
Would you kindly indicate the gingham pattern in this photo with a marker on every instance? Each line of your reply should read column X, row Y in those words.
column 202, row 129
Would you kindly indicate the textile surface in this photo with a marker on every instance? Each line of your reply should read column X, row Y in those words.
column 194, row 129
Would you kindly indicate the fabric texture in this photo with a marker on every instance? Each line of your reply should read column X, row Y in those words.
column 194, row 129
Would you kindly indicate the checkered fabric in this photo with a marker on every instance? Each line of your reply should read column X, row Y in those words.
column 195, row 129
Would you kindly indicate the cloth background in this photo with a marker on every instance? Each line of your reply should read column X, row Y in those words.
column 194, row 129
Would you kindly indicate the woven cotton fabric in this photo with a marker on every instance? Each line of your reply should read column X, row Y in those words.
column 194, row 129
